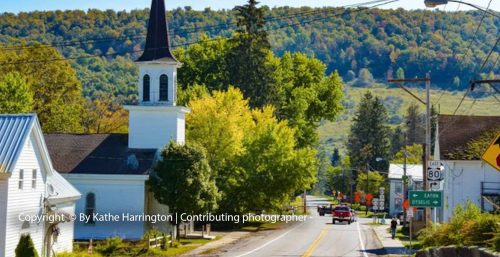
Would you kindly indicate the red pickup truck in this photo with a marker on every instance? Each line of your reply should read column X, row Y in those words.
column 343, row 213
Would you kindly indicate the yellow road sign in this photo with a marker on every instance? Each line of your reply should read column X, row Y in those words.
column 492, row 153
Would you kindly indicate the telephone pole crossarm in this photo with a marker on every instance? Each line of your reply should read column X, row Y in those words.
column 415, row 80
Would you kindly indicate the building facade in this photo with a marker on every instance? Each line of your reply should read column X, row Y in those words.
column 31, row 188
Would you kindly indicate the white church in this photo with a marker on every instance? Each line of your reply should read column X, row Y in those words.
column 111, row 170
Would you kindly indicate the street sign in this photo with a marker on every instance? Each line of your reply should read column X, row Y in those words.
column 406, row 204
column 435, row 185
column 435, row 170
column 409, row 213
column 426, row 198
column 492, row 153
column 375, row 203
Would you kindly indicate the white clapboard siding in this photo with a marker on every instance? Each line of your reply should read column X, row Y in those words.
column 3, row 212
column 64, row 241
column 25, row 201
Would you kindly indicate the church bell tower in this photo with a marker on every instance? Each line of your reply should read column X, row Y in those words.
column 156, row 119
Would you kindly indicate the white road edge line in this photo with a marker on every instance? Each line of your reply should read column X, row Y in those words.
column 361, row 240
column 270, row 242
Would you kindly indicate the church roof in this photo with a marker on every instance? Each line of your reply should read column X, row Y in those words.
column 456, row 131
column 158, row 40
column 105, row 154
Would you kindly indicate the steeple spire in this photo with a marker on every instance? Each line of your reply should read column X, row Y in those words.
column 157, row 40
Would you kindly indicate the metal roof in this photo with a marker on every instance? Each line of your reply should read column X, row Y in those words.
column 414, row 170
column 14, row 130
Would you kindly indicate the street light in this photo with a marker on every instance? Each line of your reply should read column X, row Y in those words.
column 434, row 3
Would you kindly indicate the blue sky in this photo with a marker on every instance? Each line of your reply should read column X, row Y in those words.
column 16, row 6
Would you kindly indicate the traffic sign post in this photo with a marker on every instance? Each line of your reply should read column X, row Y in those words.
column 435, row 170
column 428, row 199
column 492, row 153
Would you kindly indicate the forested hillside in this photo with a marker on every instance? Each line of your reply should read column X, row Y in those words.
column 403, row 43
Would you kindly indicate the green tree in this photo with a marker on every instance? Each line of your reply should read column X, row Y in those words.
column 365, row 78
column 336, row 157
column 375, row 182
column 15, row 94
column 456, row 82
column 25, row 247
column 247, row 56
column 397, row 140
column 306, row 96
column 336, row 180
column 369, row 135
column 183, row 180
column 220, row 122
column 400, row 73
column 205, row 63
column 413, row 155
column 415, row 125
column 57, row 93
column 275, row 168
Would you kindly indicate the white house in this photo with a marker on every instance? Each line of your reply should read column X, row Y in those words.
column 111, row 170
column 31, row 189
column 467, row 178
column 396, row 194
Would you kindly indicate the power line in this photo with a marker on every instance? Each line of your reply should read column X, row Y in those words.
column 184, row 32
column 381, row 2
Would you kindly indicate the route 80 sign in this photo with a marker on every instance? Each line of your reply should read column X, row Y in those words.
column 435, row 170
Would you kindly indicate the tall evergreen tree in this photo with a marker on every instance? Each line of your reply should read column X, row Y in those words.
column 335, row 157
column 415, row 125
column 369, row 137
column 247, row 58
column 400, row 73
column 397, row 140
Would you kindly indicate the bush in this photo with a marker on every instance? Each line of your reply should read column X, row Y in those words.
column 25, row 247
column 467, row 227
column 112, row 247
column 479, row 231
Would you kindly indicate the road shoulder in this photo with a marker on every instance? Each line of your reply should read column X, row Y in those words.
column 393, row 247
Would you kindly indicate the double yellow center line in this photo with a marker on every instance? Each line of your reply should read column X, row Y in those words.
column 316, row 242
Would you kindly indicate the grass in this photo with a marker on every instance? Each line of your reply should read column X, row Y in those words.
column 334, row 134
column 137, row 250
column 405, row 239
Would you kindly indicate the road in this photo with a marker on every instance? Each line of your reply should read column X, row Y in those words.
column 315, row 237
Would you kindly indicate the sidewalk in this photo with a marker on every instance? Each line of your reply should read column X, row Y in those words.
column 212, row 247
column 393, row 247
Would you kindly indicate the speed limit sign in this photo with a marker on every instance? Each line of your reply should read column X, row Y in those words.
column 435, row 170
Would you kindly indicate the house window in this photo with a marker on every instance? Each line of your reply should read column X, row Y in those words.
column 33, row 179
column 163, row 87
column 146, row 83
column 90, row 207
column 21, row 179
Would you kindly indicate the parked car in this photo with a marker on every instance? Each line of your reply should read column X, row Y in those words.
column 322, row 210
column 342, row 213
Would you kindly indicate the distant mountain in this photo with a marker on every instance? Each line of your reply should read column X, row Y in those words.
column 383, row 41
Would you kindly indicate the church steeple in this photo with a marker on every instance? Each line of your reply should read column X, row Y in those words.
column 157, row 41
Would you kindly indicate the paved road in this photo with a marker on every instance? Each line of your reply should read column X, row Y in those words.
column 315, row 237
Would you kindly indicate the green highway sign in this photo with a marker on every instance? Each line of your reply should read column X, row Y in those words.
column 426, row 198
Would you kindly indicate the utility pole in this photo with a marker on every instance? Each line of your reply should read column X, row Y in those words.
column 366, row 188
column 427, row 137
column 427, row 145
column 305, row 202
column 405, row 178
